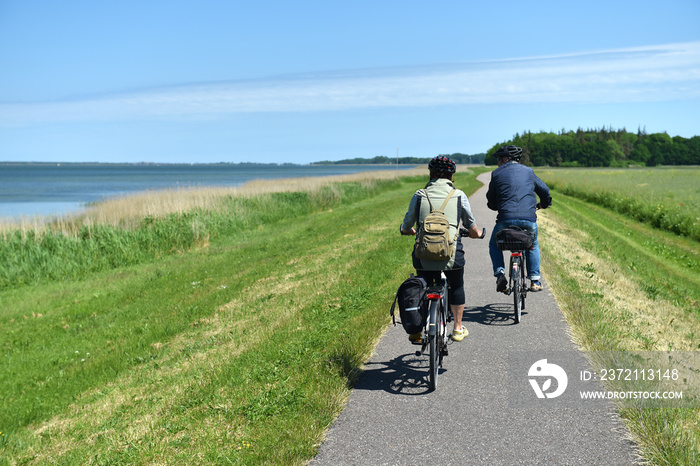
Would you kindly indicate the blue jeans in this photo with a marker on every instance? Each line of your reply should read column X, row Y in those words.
column 532, row 256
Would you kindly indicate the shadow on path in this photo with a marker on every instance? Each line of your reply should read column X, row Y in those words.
column 406, row 374
column 492, row 314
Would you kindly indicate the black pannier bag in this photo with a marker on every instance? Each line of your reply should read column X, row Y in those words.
column 413, row 304
column 514, row 239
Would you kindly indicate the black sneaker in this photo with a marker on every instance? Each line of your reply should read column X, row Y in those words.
column 501, row 283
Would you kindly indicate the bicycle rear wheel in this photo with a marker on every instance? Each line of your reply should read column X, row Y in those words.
column 523, row 286
column 517, row 288
column 442, row 332
column 434, row 336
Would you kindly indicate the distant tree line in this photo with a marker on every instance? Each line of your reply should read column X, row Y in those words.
column 383, row 160
column 603, row 148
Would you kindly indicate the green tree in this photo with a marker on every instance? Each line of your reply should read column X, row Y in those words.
column 618, row 157
column 601, row 148
column 640, row 153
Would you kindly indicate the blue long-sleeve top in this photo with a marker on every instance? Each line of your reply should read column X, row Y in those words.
column 513, row 192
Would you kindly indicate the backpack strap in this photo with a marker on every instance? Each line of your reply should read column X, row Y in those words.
column 444, row 204
column 425, row 191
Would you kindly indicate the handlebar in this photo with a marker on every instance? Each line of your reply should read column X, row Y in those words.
column 539, row 204
column 465, row 233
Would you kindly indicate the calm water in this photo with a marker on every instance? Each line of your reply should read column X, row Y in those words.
column 53, row 189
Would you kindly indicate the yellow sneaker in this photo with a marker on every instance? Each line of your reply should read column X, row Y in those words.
column 416, row 338
column 459, row 335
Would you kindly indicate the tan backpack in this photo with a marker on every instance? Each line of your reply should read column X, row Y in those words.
column 433, row 240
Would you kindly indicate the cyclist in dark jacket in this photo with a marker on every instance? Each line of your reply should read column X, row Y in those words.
column 513, row 192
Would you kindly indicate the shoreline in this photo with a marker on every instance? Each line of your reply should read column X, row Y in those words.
column 130, row 207
column 68, row 188
column 198, row 164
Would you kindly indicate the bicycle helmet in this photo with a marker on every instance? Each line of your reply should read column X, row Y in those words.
column 510, row 151
column 442, row 164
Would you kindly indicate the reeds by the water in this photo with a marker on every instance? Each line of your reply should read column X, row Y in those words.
column 129, row 211
column 131, row 229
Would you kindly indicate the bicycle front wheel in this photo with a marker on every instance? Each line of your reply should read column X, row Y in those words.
column 517, row 289
column 434, row 336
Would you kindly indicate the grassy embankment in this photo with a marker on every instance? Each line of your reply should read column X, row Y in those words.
column 132, row 229
column 626, row 281
column 235, row 341
column 667, row 198
column 241, row 347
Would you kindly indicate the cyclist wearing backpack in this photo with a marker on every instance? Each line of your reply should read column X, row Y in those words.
column 441, row 195
column 513, row 192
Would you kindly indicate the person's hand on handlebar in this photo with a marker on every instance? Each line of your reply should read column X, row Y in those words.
column 539, row 204
column 411, row 232
column 473, row 232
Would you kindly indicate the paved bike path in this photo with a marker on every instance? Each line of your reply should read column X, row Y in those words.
column 484, row 410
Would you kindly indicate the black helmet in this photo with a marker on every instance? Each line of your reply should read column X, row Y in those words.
column 442, row 164
column 510, row 151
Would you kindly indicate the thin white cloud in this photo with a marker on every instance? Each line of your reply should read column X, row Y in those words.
column 655, row 73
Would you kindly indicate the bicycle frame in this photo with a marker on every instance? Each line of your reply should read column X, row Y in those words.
column 435, row 331
column 517, row 284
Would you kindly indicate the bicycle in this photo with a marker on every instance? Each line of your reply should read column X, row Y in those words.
column 435, row 331
column 517, row 241
column 435, row 338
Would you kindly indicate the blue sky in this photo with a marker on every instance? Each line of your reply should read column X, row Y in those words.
column 274, row 81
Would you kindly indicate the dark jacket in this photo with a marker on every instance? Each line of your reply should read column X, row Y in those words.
column 512, row 192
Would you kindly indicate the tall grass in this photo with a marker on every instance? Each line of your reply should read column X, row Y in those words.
column 666, row 198
column 128, row 211
column 133, row 229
